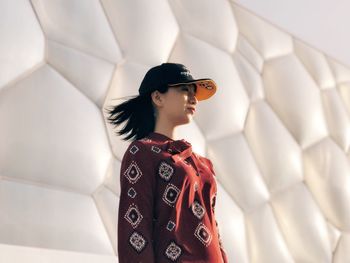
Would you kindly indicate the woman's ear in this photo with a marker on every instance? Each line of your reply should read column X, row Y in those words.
column 157, row 98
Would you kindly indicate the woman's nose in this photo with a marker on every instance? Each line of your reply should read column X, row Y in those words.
column 193, row 98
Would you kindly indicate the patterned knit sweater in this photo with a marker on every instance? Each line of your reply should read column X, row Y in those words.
column 166, row 206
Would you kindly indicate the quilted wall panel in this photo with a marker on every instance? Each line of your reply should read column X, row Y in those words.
column 277, row 130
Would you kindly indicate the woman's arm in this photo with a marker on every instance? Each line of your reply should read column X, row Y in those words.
column 223, row 252
column 135, row 215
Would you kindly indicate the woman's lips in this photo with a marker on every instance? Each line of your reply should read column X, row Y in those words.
column 192, row 110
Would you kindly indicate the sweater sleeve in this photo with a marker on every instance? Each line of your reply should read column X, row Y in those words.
column 223, row 252
column 135, row 214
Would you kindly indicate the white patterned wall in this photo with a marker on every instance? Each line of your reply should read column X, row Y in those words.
column 277, row 130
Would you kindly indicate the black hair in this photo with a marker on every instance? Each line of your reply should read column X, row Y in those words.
column 139, row 114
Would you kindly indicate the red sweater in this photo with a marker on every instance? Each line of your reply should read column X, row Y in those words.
column 167, row 201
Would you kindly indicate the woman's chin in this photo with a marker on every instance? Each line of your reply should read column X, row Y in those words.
column 189, row 117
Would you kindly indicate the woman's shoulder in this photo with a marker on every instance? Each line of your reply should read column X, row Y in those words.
column 200, row 157
column 144, row 146
column 144, row 143
column 206, row 161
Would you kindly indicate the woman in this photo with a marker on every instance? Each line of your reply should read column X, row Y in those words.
column 168, row 192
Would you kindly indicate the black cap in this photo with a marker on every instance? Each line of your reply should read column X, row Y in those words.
column 173, row 74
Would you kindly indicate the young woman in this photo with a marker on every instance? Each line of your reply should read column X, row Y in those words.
column 168, row 192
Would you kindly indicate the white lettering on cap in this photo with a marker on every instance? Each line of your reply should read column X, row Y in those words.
column 187, row 73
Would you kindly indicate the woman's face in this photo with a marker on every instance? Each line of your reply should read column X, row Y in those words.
column 176, row 104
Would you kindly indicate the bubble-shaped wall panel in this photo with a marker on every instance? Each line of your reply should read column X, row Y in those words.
column 277, row 130
column 22, row 42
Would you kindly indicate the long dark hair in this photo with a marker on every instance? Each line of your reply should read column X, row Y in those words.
column 139, row 114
